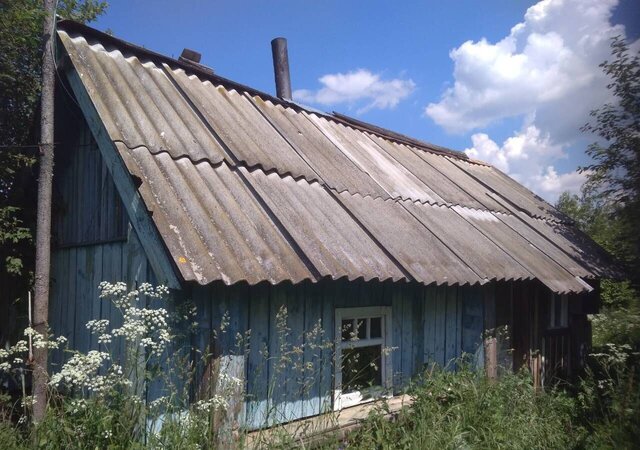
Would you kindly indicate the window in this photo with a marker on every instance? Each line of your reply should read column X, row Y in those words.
column 363, row 369
column 559, row 311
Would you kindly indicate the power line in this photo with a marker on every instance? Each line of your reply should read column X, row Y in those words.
column 38, row 145
column 24, row 146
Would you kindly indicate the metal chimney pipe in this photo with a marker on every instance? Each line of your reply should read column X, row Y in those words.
column 281, row 68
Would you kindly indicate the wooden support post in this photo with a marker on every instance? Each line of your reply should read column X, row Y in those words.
column 491, row 357
column 223, row 378
column 536, row 371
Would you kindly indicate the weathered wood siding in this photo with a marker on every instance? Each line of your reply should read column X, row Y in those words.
column 430, row 325
column 87, row 207
column 92, row 241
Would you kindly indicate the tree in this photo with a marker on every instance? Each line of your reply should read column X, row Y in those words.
column 613, row 177
column 21, row 24
column 598, row 218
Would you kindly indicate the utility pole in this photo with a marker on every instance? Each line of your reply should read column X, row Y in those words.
column 43, row 225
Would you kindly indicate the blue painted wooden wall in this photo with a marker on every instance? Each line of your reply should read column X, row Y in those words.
column 430, row 325
column 92, row 241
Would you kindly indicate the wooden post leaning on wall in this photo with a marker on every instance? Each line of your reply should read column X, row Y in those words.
column 223, row 378
column 490, row 341
column 491, row 357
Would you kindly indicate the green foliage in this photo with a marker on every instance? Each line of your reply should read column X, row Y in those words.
column 619, row 319
column 597, row 218
column 614, row 174
column 84, row 11
column 616, row 326
column 20, row 23
column 607, row 210
column 465, row 410
column 97, row 399
column 20, row 72
column 609, row 397
column 616, row 165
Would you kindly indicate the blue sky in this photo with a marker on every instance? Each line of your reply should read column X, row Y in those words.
column 457, row 74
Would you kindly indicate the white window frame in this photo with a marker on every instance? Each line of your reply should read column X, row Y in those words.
column 564, row 311
column 344, row 400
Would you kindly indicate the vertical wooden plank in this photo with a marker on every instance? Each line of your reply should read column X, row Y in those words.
column 490, row 317
column 396, row 318
column 451, row 327
column 201, row 297
column 375, row 294
column 85, row 206
column 237, row 357
column 418, row 329
column 294, row 380
column 406, row 347
column 327, row 295
column 69, row 300
column 115, row 316
column 94, row 296
column 312, row 353
column 82, row 306
column 459, row 312
column 75, row 197
column 473, row 323
column 440, row 334
column 258, row 365
column 55, row 316
column 276, row 384
column 104, row 200
column 429, row 312
column 106, row 275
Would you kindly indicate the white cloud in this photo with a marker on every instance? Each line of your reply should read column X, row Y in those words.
column 550, row 184
column 551, row 57
column 524, row 156
column 544, row 71
column 357, row 87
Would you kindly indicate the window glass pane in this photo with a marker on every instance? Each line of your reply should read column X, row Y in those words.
column 361, row 368
column 362, row 328
column 376, row 327
column 347, row 330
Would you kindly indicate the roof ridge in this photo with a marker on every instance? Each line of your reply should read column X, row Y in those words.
column 398, row 137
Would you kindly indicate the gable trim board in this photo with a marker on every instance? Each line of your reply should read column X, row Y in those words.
column 244, row 187
column 135, row 207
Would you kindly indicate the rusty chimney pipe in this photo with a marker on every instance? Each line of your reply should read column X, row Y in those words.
column 281, row 68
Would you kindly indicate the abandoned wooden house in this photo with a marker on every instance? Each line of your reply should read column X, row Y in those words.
column 245, row 202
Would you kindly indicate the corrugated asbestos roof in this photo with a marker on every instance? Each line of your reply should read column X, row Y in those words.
column 245, row 187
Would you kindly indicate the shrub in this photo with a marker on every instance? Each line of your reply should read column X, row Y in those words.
column 97, row 399
column 610, row 397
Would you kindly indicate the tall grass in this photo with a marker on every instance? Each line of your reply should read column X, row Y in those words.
column 464, row 409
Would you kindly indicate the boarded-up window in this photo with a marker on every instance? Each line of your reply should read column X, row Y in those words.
column 87, row 206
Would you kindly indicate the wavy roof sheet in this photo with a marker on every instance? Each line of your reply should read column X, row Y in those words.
column 246, row 187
